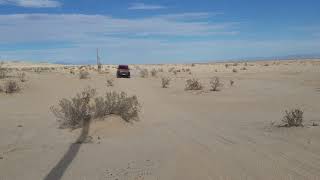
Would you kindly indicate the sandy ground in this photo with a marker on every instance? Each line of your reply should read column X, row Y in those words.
column 181, row 134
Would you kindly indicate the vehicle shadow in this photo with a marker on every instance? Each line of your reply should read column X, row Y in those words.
column 57, row 172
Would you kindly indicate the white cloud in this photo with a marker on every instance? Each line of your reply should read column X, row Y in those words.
column 142, row 6
column 32, row 3
column 80, row 28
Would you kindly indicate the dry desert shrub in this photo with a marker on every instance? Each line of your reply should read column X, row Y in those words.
column 175, row 72
column 231, row 82
column 193, row 84
column 110, row 82
column 226, row 65
column 118, row 104
column 154, row 73
column 293, row 117
column 22, row 76
column 165, row 81
column 144, row 73
column 84, row 74
column 215, row 84
column 1, row 89
column 171, row 69
column 3, row 71
column 243, row 68
column 11, row 86
column 72, row 113
column 234, row 70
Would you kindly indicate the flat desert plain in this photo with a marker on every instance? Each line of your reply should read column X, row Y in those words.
column 228, row 134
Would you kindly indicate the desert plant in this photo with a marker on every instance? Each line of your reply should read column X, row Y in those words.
column 72, row 113
column 11, row 86
column 215, row 84
column 175, row 72
column 165, row 81
column 243, row 68
column 226, row 65
column 1, row 89
column 21, row 76
column 84, row 74
column 231, row 82
column 3, row 71
column 293, row 117
column 110, row 82
column 193, row 84
column 171, row 69
column 144, row 73
column 154, row 73
column 118, row 104
column 234, row 70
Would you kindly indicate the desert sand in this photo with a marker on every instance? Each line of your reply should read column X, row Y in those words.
column 181, row 135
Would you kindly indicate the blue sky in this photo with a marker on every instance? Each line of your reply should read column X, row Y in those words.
column 157, row 31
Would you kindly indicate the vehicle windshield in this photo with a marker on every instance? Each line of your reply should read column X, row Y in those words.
column 123, row 67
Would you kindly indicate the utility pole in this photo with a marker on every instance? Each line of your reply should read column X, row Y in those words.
column 98, row 61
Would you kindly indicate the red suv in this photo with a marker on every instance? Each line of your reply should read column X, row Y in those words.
column 123, row 71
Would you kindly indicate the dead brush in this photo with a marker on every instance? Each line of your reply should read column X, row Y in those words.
column 154, row 73
column 3, row 71
column 165, row 82
column 193, row 84
column 84, row 75
column 293, row 118
column 144, row 73
column 11, row 86
column 22, row 76
column 215, row 84
column 75, row 112
column 231, row 82
column 120, row 104
column 171, row 69
column 72, row 113
column 110, row 82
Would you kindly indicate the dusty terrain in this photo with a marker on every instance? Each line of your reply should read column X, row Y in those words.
column 181, row 134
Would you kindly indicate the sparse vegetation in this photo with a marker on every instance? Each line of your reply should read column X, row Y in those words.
column 171, row 69
column 3, row 71
column 22, row 76
column 118, row 104
column 226, row 65
column 293, row 118
column 231, row 82
column 72, row 113
column 11, row 86
column 144, row 73
column 110, row 82
column 234, row 70
column 193, row 84
column 154, row 73
column 243, row 68
column 215, row 84
column 84, row 74
column 165, row 81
